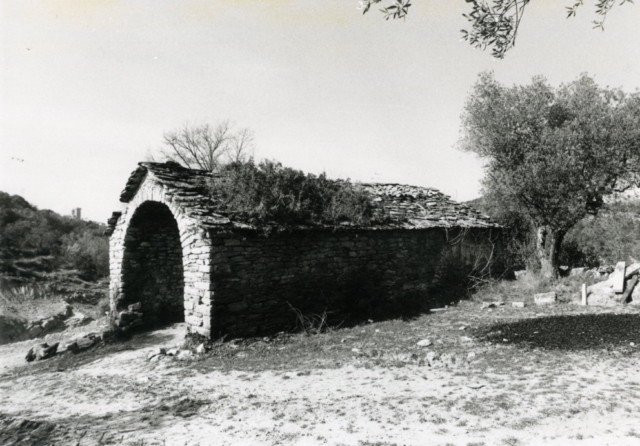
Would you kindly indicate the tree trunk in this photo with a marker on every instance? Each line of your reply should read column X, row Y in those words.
column 548, row 244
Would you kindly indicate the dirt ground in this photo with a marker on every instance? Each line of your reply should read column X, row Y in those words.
column 563, row 375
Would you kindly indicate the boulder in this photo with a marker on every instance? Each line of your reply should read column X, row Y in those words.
column 632, row 270
column 50, row 323
column 35, row 330
column 42, row 351
column 617, row 278
column 183, row 355
column 601, row 294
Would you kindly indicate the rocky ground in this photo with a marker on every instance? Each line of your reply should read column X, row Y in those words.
column 554, row 375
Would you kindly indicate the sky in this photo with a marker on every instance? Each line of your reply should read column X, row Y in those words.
column 88, row 87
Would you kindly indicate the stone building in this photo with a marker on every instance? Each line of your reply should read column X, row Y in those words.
column 175, row 253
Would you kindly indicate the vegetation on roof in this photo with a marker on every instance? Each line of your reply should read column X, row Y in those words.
column 269, row 193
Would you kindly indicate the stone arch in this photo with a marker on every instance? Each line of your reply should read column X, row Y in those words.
column 183, row 248
column 152, row 265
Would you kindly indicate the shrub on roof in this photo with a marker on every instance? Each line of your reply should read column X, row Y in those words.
column 269, row 193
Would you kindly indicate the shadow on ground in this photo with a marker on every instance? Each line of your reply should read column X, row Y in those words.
column 568, row 332
column 109, row 429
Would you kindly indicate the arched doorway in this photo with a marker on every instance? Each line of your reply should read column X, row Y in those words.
column 152, row 267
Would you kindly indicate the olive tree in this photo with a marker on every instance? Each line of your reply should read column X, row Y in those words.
column 552, row 154
column 493, row 23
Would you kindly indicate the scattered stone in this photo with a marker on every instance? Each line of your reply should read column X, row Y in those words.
column 201, row 349
column 69, row 346
column 577, row 272
column 475, row 386
column 545, row 298
column 42, row 351
column 617, row 278
column 632, row 269
column 183, row 355
column 50, row 323
column 517, row 304
column 462, row 328
column 520, row 274
column 471, row 355
column 437, row 309
column 355, row 350
column 135, row 307
column 605, row 269
column 156, row 352
column 35, row 331
column 172, row 352
column 424, row 343
column 465, row 339
column 491, row 304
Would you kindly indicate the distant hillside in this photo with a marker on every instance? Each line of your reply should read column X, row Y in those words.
column 36, row 242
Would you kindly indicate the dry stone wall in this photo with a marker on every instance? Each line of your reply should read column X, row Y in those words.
column 159, row 258
column 174, row 257
column 262, row 282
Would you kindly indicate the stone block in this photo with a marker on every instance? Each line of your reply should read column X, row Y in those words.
column 545, row 298
column 193, row 321
column 617, row 277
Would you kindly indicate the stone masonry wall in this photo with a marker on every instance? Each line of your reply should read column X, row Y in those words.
column 154, row 237
column 154, row 274
column 239, row 282
column 259, row 280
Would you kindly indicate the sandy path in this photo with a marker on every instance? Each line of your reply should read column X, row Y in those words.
column 121, row 398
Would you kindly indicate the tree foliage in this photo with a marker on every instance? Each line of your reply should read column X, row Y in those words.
column 207, row 147
column 552, row 154
column 492, row 23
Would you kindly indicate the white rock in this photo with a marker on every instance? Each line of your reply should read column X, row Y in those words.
column 201, row 349
column 183, row 355
column 172, row 352
column 424, row 343
column 617, row 278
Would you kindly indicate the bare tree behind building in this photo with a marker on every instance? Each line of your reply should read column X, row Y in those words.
column 207, row 147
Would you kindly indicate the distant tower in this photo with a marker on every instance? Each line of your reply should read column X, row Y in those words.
column 76, row 213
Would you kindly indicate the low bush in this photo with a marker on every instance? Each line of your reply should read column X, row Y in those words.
column 271, row 194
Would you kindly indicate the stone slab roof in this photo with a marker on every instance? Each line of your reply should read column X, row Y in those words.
column 410, row 207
